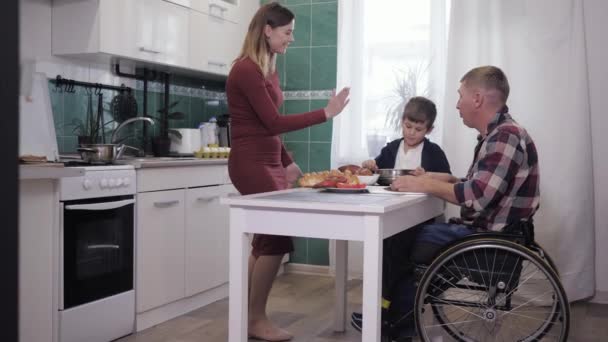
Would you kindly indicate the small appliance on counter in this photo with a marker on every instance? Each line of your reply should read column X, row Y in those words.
column 209, row 133
column 36, row 124
column 185, row 141
column 224, row 130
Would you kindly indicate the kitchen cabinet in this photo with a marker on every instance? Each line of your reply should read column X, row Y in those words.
column 162, row 32
column 195, row 35
column 222, row 9
column 160, row 248
column 182, row 240
column 145, row 30
column 214, row 43
column 206, row 238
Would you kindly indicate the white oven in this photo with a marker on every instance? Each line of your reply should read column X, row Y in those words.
column 96, row 252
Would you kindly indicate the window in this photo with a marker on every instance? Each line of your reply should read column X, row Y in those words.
column 397, row 50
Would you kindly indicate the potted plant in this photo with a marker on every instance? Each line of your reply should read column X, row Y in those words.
column 162, row 142
column 88, row 130
column 407, row 85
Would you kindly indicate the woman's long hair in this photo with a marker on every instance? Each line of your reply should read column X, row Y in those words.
column 255, row 45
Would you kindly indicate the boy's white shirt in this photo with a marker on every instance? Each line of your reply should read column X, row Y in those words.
column 410, row 159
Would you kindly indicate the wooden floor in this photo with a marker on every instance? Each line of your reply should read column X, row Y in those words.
column 303, row 304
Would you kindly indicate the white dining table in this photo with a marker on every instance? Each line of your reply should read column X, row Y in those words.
column 313, row 213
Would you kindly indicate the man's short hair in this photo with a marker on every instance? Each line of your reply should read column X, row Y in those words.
column 419, row 109
column 490, row 78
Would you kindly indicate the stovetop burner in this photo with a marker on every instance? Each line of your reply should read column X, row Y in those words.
column 76, row 163
column 94, row 166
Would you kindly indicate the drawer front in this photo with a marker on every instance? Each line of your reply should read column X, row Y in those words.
column 154, row 179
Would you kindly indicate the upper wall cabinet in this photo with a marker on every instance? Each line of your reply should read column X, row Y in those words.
column 214, row 43
column 199, row 35
column 162, row 32
column 222, row 9
column 146, row 30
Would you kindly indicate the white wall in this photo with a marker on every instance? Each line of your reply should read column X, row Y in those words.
column 36, row 54
column 596, row 26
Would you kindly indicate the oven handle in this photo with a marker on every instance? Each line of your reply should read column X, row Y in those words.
column 100, row 206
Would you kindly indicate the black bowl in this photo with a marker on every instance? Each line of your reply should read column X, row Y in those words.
column 387, row 176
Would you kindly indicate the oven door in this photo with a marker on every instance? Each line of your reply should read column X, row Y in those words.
column 97, row 249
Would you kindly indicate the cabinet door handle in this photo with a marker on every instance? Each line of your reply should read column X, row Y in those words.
column 233, row 194
column 107, row 246
column 221, row 8
column 100, row 206
column 145, row 49
column 217, row 16
column 166, row 204
column 207, row 199
column 218, row 64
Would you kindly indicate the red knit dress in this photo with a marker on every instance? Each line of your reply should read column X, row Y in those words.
column 258, row 158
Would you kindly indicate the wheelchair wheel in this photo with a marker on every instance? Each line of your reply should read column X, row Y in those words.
column 491, row 289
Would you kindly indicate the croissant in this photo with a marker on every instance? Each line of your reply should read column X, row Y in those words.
column 309, row 180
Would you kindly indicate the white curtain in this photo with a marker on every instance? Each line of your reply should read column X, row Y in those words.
column 378, row 49
column 596, row 26
column 348, row 145
column 540, row 45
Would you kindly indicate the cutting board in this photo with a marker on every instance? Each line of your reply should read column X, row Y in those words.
column 36, row 125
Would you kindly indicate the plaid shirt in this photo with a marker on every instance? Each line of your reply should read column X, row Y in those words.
column 502, row 185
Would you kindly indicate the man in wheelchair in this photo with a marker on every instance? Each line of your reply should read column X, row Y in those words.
column 501, row 189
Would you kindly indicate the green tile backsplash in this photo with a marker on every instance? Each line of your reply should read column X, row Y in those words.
column 70, row 108
column 310, row 65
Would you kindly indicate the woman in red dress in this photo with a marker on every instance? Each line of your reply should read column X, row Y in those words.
column 258, row 160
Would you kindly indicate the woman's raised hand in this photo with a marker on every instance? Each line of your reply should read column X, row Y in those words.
column 337, row 102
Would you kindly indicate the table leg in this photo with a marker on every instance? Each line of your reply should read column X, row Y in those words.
column 238, row 286
column 372, row 279
column 341, row 272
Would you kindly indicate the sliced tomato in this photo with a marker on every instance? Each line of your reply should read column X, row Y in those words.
column 350, row 186
column 325, row 184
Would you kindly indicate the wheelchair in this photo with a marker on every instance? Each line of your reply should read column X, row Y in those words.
column 499, row 286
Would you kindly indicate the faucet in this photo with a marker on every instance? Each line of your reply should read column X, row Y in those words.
column 126, row 122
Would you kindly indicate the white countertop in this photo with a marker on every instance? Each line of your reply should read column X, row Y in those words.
column 48, row 171
column 377, row 201
column 140, row 163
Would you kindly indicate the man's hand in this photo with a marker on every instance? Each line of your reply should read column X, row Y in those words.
column 409, row 184
column 419, row 171
column 292, row 173
column 426, row 184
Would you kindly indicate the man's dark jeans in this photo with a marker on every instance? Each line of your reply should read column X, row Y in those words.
column 416, row 245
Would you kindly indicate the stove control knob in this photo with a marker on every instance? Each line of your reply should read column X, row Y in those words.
column 126, row 181
column 119, row 182
column 87, row 184
column 112, row 183
column 103, row 183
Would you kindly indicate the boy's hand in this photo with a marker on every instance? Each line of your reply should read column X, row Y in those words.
column 370, row 164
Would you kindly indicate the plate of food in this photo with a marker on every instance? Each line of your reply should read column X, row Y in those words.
column 345, row 188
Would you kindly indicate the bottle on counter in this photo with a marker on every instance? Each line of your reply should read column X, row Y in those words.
column 212, row 132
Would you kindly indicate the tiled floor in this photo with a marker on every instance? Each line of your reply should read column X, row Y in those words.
column 303, row 305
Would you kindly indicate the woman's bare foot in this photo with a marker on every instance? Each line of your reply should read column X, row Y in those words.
column 265, row 330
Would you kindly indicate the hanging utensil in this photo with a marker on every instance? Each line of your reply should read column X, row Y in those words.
column 124, row 105
column 100, row 118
